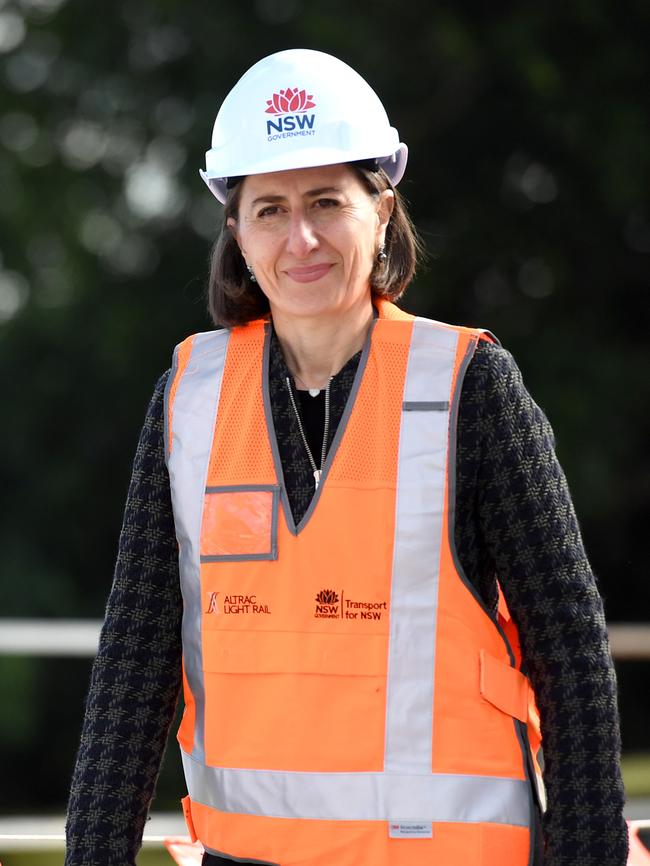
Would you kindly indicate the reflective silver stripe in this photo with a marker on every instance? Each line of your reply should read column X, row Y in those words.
column 359, row 796
column 426, row 406
column 421, row 471
column 194, row 414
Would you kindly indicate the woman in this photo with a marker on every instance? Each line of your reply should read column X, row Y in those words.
column 347, row 484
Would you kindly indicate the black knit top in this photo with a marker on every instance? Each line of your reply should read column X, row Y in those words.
column 514, row 518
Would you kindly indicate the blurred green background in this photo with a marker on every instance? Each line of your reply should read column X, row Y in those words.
column 529, row 178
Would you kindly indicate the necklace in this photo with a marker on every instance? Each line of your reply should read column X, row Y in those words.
column 313, row 392
column 315, row 469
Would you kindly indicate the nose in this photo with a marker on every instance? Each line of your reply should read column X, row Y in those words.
column 301, row 238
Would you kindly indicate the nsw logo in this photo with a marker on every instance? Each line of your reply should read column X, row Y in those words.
column 331, row 604
column 327, row 604
column 289, row 108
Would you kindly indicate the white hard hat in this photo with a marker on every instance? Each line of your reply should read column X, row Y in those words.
column 297, row 109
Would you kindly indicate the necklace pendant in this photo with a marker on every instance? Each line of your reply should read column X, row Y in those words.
column 316, row 478
column 314, row 392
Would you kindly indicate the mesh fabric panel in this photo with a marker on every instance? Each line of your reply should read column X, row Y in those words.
column 368, row 452
column 241, row 426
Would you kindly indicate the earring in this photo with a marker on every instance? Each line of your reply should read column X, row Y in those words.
column 251, row 274
column 381, row 255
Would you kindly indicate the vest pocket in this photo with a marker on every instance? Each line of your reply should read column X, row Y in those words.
column 295, row 701
column 240, row 523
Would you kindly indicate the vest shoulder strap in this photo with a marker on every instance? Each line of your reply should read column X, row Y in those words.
column 188, row 355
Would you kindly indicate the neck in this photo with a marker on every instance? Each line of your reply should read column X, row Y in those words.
column 315, row 349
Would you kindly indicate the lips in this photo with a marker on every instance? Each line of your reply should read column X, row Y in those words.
column 308, row 273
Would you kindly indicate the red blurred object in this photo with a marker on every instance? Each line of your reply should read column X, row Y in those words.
column 187, row 853
column 639, row 843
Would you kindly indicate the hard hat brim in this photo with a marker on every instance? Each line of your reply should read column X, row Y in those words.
column 393, row 164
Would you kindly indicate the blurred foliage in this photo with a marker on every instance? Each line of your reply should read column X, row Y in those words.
column 529, row 135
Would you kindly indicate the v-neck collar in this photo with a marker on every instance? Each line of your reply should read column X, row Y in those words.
column 340, row 431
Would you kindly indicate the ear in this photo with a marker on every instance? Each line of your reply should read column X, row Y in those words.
column 385, row 207
column 231, row 222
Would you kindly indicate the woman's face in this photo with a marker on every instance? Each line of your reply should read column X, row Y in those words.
column 311, row 236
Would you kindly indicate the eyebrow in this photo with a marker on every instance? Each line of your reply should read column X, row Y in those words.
column 311, row 193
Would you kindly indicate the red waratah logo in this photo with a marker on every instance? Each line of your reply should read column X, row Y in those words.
column 290, row 101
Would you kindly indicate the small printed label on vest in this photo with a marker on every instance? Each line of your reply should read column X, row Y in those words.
column 410, row 830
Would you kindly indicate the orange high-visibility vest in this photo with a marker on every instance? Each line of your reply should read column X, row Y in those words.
column 348, row 698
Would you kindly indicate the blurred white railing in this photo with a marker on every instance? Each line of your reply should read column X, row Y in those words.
column 79, row 637
column 630, row 640
column 49, row 637
column 38, row 832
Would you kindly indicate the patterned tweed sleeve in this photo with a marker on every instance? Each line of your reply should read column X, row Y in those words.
column 517, row 520
column 136, row 675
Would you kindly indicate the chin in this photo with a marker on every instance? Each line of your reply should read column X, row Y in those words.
column 309, row 311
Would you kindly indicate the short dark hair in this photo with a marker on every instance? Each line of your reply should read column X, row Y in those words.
column 233, row 299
